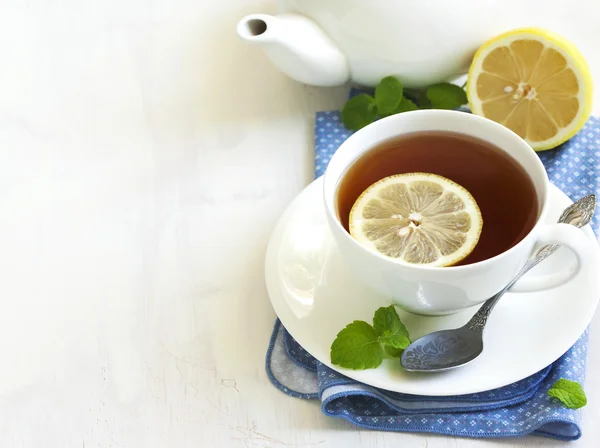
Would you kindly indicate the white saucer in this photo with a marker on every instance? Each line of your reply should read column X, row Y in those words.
column 315, row 296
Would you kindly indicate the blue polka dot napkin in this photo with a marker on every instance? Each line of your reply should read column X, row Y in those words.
column 518, row 409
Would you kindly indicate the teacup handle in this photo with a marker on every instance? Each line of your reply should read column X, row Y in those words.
column 553, row 236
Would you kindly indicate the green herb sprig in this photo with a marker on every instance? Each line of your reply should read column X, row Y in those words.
column 570, row 393
column 391, row 98
column 362, row 346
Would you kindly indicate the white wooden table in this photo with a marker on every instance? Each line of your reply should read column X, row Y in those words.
column 145, row 155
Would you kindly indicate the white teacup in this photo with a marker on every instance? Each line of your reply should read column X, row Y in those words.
column 427, row 290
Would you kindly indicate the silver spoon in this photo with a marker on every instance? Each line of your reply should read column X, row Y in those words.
column 447, row 349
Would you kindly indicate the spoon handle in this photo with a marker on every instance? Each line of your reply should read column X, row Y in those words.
column 577, row 214
column 478, row 321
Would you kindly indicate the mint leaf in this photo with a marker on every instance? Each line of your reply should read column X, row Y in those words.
column 424, row 102
column 405, row 106
column 388, row 95
column 393, row 352
column 446, row 96
column 570, row 393
column 357, row 347
column 362, row 346
column 359, row 111
column 385, row 318
column 388, row 327
column 412, row 94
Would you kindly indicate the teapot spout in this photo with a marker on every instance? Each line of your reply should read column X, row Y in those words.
column 298, row 47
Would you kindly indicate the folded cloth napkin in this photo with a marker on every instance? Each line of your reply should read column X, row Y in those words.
column 515, row 410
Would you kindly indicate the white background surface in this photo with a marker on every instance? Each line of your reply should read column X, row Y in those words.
column 145, row 155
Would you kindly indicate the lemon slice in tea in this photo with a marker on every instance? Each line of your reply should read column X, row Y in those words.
column 417, row 218
column 535, row 83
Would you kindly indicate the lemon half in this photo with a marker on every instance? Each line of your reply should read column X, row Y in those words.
column 535, row 83
column 417, row 218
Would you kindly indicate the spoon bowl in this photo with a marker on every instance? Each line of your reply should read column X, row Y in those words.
column 442, row 350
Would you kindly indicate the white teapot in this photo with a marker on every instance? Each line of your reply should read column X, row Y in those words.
column 421, row 42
